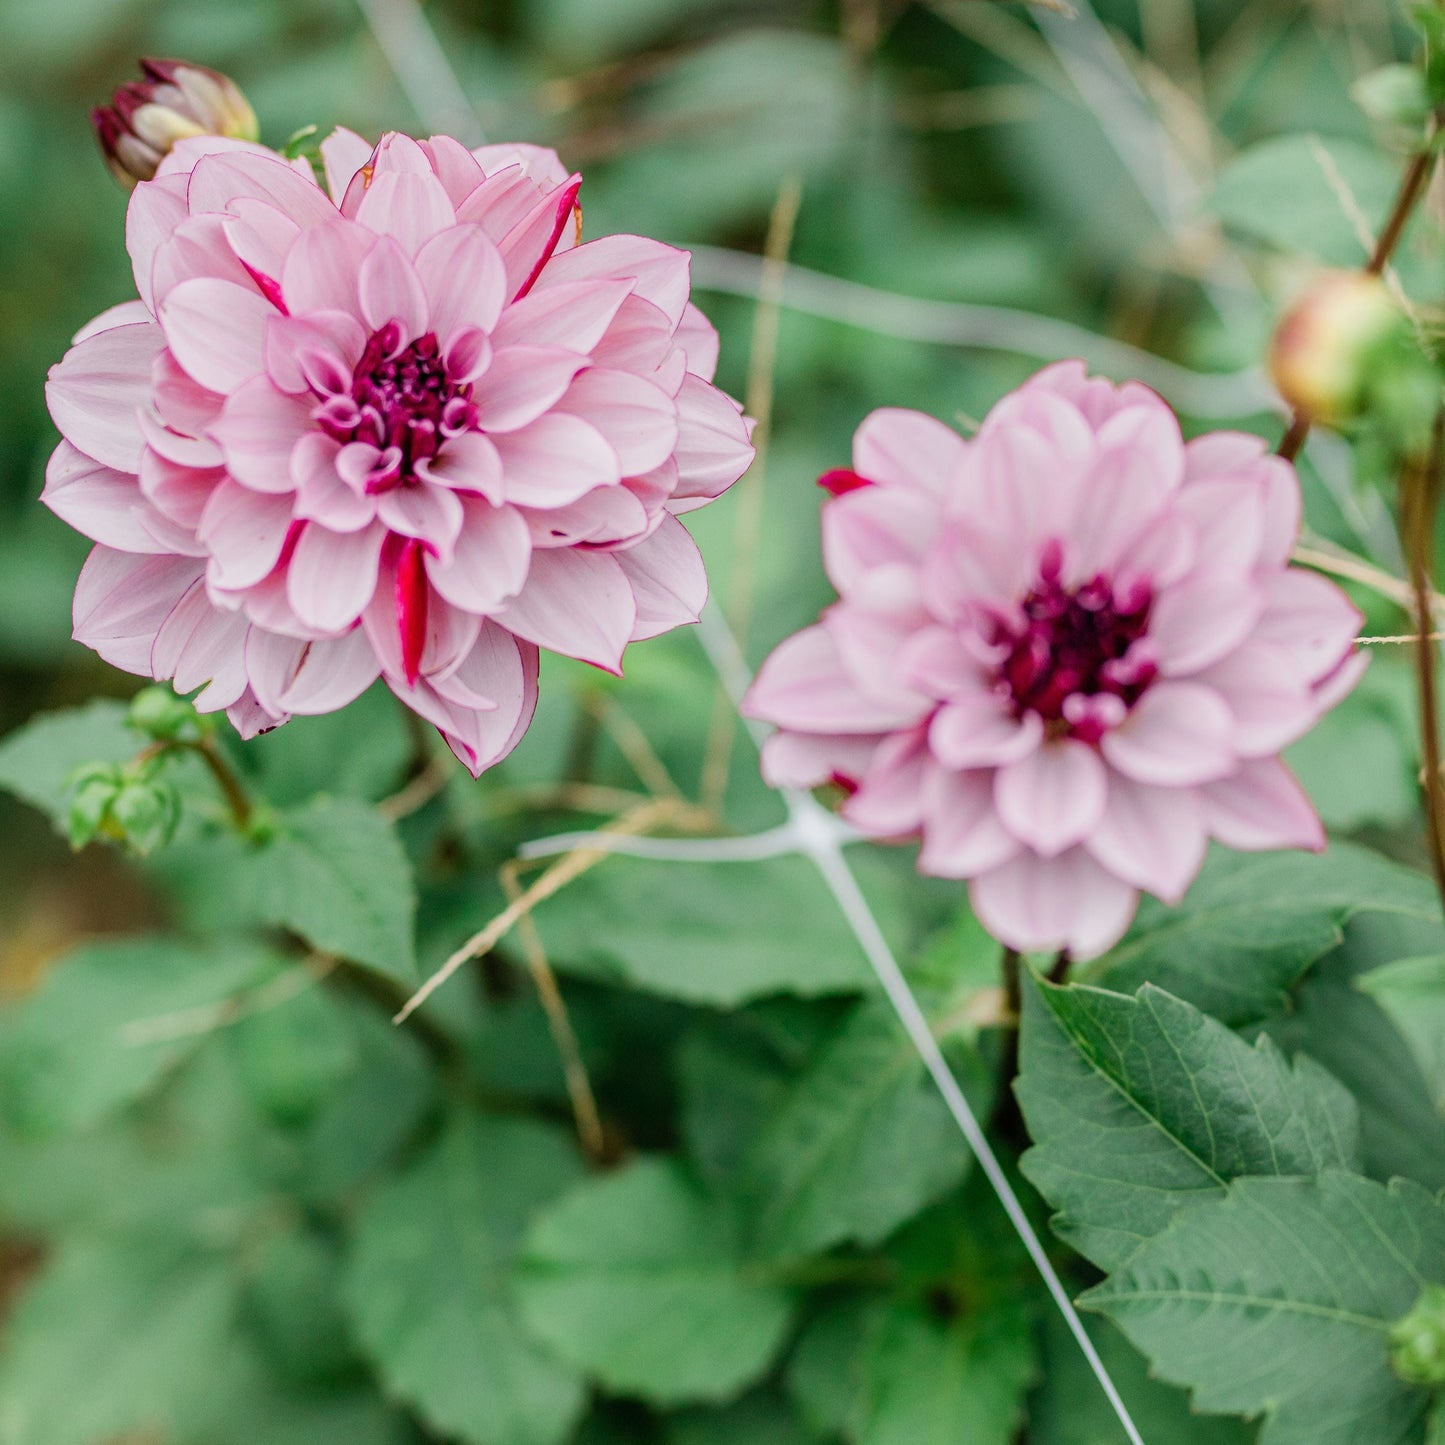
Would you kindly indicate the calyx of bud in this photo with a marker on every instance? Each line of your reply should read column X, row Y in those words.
column 1417, row 1341
column 174, row 100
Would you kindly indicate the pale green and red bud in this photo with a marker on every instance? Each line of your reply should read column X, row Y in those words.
column 174, row 101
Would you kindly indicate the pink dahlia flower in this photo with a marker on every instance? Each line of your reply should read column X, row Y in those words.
column 403, row 427
column 1066, row 652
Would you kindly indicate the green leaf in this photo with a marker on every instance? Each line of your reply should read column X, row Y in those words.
column 111, row 1020
column 763, row 1418
column 900, row 1373
column 717, row 933
column 1310, row 194
column 428, row 1291
column 861, row 1142
column 640, row 1279
column 1412, row 992
column 1277, row 1300
column 1253, row 924
column 294, row 1292
column 36, row 761
column 1140, row 1107
column 334, row 872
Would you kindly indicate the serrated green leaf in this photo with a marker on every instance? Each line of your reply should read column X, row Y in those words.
column 292, row 1053
column 428, row 1291
column 1253, row 924
column 1412, row 992
column 334, row 872
column 861, row 1142
column 1276, row 1300
column 640, row 1279
column 36, row 761
column 113, row 1019
column 1140, row 1107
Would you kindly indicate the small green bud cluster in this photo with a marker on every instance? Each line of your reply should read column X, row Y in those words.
column 1417, row 1342
column 128, row 803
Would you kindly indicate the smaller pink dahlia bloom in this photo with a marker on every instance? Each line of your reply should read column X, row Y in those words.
column 405, row 426
column 1066, row 653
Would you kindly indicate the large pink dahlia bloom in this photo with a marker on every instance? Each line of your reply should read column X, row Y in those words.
column 1066, row 652
column 405, row 426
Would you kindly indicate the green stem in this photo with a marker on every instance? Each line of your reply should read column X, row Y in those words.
column 237, row 799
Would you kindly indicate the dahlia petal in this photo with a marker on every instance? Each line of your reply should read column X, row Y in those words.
column 125, row 313
column 401, row 155
column 156, row 208
column 258, row 430
column 321, row 270
column 95, row 392
column 407, row 207
column 638, row 421
column 250, row 719
column 575, row 315
column 698, row 338
column 309, row 678
column 199, row 643
column 1311, row 619
column 639, row 340
column 390, row 290
column 540, row 165
column 576, row 603
column 321, row 494
column 1033, row 457
column 876, row 528
column 216, row 331
column 219, row 180
column 1340, row 683
column 121, row 601
column 934, row 661
column 1221, row 454
column 177, row 490
column 197, row 250
column 889, row 799
column 1228, row 517
column 99, row 502
column 963, row 834
column 182, row 404
column 467, row 463
column 1270, row 704
column 1145, row 438
column 261, row 236
column 901, row 448
column 314, row 353
column 970, row 562
column 667, row 577
column 1282, row 512
column 464, row 277
column 603, row 517
column 554, row 460
column 1200, row 621
column 1259, row 807
column 808, row 760
column 1153, row 838
column 713, row 449
column 1177, row 734
column 804, row 686
column 500, row 201
column 489, row 561
column 1053, row 797
column 979, row 730
column 529, row 245
column 332, row 575
column 455, row 166
column 660, row 273
column 245, row 532
column 522, row 383
column 343, row 153
column 1096, row 397
column 432, row 515
column 1042, row 904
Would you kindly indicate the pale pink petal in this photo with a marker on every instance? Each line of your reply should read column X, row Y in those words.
column 554, row 460
column 808, row 760
column 1153, row 838
column 804, row 685
column 182, row 404
column 332, row 575
column 1177, row 734
column 308, row 678
column 638, row 421
column 1270, row 704
column 1261, row 806
column 122, row 600
column 490, row 559
column 522, row 383
column 889, row 799
column 105, row 505
column 466, row 463
column 539, row 164
column 156, row 209
column 667, row 578
column 713, row 449
column 126, row 313
column 576, row 603
column 218, row 181
column 343, row 153
column 96, row 391
column 875, row 528
column 576, row 315
column 390, row 290
column 250, row 719
column 699, row 340
column 321, row 270
column 456, row 167
column 200, row 643
column 198, row 250
column 1228, row 517
column 407, row 207
column 314, row 353
column 431, row 514
column 245, row 532
column 1310, row 619
column 529, row 245
column 1044, row 904
column 321, row 494
column 465, row 280
column 639, row 340
column 979, row 729
column 908, row 449
column 660, row 272
column 258, row 430
column 1200, row 621
column 217, row 331
column 1053, row 797
column 602, row 517
column 963, row 834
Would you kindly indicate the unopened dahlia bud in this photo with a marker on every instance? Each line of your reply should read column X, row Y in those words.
column 1332, row 345
column 174, row 101
column 1417, row 1342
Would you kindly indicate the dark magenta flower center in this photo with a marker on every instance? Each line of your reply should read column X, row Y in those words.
column 403, row 401
column 1068, row 653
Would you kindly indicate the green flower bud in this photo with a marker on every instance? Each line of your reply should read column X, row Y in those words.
column 146, row 815
column 93, row 788
column 159, row 713
column 1417, row 1342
